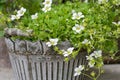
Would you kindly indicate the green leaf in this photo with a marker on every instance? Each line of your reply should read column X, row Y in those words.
column 2, row 1
column 92, row 74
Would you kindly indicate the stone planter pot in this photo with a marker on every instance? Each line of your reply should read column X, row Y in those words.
column 35, row 61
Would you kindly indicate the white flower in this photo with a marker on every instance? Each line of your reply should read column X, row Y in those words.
column 83, row 21
column 102, row 1
column 91, row 63
column 18, row 16
column 78, row 28
column 68, row 52
column 97, row 54
column 35, row 16
column 52, row 42
column 21, row 11
column 78, row 70
column 73, row 11
column 13, row 17
column 77, row 16
column 117, row 2
column 85, row 41
column 116, row 23
column 86, row 1
column 90, row 57
column 46, row 8
column 47, row 2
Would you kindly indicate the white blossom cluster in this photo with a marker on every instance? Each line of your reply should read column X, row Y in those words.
column 68, row 52
column 77, row 16
column 34, row 16
column 117, row 2
column 91, row 58
column 116, row 23
column 86, row 41
column 52, row 42
column 78, row 28
column 19, row 14
column 78, row 70
column 102, row 1
column 47, row 5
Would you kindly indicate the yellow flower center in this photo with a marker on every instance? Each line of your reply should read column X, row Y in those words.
column 78, row 28
column 47, row 2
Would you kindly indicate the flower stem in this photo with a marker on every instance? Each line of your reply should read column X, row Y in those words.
column 87, row 76
column 98, row 74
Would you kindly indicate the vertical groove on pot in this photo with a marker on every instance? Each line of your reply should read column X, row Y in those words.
column 75, row 65
column 19, row 68
column 77, row 77
column 65, row 71
column 60, row 70
column 52, row 71
column 49, row 70
column 38, row 70
column 26, row 69
column 41, row 71
column 79, row 62
column 22, row 70
column 44, row 70
column 55, row 70
column 33, row 71
column 70, row 69
column 15, row 68
column 83, row 62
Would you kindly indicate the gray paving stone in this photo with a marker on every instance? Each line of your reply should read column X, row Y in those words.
column 6, row 74
column 112, row 72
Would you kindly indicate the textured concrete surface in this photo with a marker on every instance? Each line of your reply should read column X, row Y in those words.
column 6, row 74
column 112, row 72
column 4, row 58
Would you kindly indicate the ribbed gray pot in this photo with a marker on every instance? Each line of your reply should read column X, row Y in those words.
column 35, row 61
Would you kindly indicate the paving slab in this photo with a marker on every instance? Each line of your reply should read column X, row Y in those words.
column 6, row 74
column 112, row 72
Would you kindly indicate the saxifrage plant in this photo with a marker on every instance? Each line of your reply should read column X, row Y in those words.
column 91, row 27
